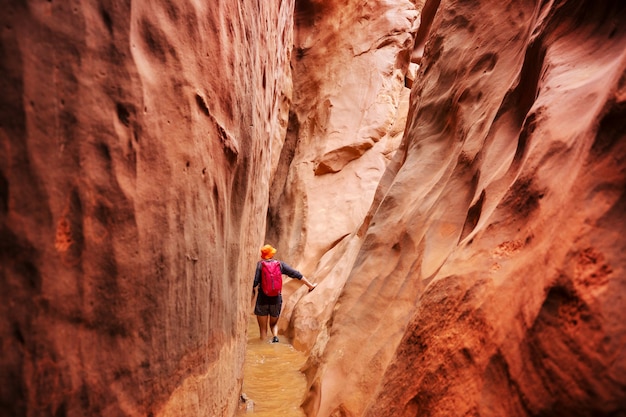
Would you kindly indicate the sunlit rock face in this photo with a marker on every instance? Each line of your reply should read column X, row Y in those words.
column 134, row 174
column 491, row 278
column 346, row 121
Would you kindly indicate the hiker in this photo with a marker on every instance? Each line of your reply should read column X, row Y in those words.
column 268, row 278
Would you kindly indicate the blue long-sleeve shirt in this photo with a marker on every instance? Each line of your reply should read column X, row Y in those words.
column 284, row 269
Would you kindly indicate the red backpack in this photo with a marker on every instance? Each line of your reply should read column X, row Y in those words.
column 271, row 278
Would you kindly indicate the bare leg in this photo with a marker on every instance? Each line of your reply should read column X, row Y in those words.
column 262, row 320
column 274, row 325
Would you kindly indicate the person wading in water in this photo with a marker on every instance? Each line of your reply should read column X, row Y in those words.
column 269, row 302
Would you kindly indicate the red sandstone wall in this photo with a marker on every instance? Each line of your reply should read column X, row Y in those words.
column 134, row 169
column 346, row 120
column 347, row 117
column 491, row 278
column 138, row 144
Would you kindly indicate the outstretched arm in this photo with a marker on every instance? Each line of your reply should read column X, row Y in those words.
column 309, row 284
column 289, row 271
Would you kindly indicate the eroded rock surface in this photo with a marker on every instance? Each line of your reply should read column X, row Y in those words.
column 134, row 170
column 346, row 121
column 490, row 280
column 477, row 271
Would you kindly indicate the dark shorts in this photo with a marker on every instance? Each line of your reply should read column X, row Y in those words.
column 268, row 309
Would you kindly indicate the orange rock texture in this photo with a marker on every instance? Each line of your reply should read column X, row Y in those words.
column 346, row 121
column 451, row 173
column 489, row 277
column 135, row 159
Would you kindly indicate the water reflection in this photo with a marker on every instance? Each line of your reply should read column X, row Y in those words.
column 272, row 377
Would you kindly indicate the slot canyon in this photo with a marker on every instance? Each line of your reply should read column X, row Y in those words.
column 451, row 173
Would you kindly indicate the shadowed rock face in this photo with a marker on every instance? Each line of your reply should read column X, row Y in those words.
column 491, row 278
column 134, row 141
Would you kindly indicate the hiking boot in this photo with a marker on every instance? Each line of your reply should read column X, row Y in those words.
column 275, row 339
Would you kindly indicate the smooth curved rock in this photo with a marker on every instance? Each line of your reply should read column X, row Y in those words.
column 346, row 121
column 475, row 268
column 490, row 280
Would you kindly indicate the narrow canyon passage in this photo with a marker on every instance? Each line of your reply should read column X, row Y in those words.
column 272, row 377
column 451, row 174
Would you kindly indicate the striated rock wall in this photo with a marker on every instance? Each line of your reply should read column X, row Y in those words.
column 491, row 279
column 478, row 270
column 135, row 161
column 346, row 121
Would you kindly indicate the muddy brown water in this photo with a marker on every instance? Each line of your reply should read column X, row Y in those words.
column 272, row 379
